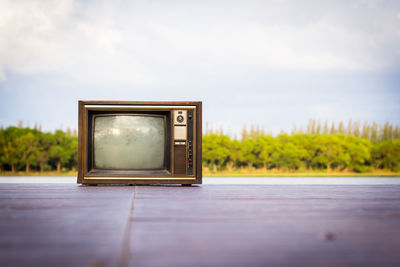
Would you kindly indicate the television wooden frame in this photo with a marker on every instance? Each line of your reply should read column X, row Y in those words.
column 89, row 176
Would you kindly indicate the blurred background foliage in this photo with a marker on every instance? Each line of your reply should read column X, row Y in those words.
column 319, row 146
column 31, row 149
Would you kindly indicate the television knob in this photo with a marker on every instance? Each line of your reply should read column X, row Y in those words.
column 180, row 118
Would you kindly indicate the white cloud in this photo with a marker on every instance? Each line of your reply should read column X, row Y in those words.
column 271, row 63
column 114, row 42
column 31, row 35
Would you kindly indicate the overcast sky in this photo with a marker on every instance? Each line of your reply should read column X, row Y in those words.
column 272, row 63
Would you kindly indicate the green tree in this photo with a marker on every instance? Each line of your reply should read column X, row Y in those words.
column 387, row 131
column 60, row 155
column 287, row 157
column 326, row 128
column 216, row 150
column 244, row 133
column 341, row 128
column 8, row 147
column 247, row 152
column 366, row 131
column 73, row 150
column 60, row 152
column 333, row 130
column 46, row 141
column 313, row 124
column 264, row 146
column 356, row 128
column 359, row 153
column 374, row 132
column 350, row 127
column 329, row 152
column 27, row 148
column 396, row 133
column 386, row 155
column 318, row 129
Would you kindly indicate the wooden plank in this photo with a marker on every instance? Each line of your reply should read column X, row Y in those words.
column 62, row 225
column 266, row 226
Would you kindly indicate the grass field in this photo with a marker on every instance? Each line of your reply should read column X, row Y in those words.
column 238, row 173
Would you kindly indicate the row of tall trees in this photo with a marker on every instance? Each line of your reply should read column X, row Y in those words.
column 300, row 151
column 27, row 149
column 372, row 131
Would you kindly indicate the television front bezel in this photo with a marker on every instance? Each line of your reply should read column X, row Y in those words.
column 89, row 110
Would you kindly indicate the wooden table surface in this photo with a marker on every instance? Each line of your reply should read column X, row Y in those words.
column 208, row 225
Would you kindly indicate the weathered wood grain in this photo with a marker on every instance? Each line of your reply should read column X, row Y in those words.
column 209, row 225
column 62, row 225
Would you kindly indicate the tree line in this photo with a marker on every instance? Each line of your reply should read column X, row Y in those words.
column 371, row 148
column 318, row 147
column 372, row 131
column 31, row 149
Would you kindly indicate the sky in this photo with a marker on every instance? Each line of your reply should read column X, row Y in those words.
column 271, row 63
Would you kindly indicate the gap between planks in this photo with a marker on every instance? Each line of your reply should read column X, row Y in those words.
column 125, row 255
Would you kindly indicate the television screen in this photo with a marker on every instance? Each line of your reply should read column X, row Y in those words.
column 130, row 142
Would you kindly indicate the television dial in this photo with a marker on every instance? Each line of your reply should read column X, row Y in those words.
column 180, row 118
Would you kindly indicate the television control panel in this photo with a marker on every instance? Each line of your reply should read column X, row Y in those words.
column 183, row 125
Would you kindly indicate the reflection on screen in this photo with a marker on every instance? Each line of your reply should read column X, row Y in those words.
column 129, row 142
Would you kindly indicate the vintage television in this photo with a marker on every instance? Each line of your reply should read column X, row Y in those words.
column 132, row 142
